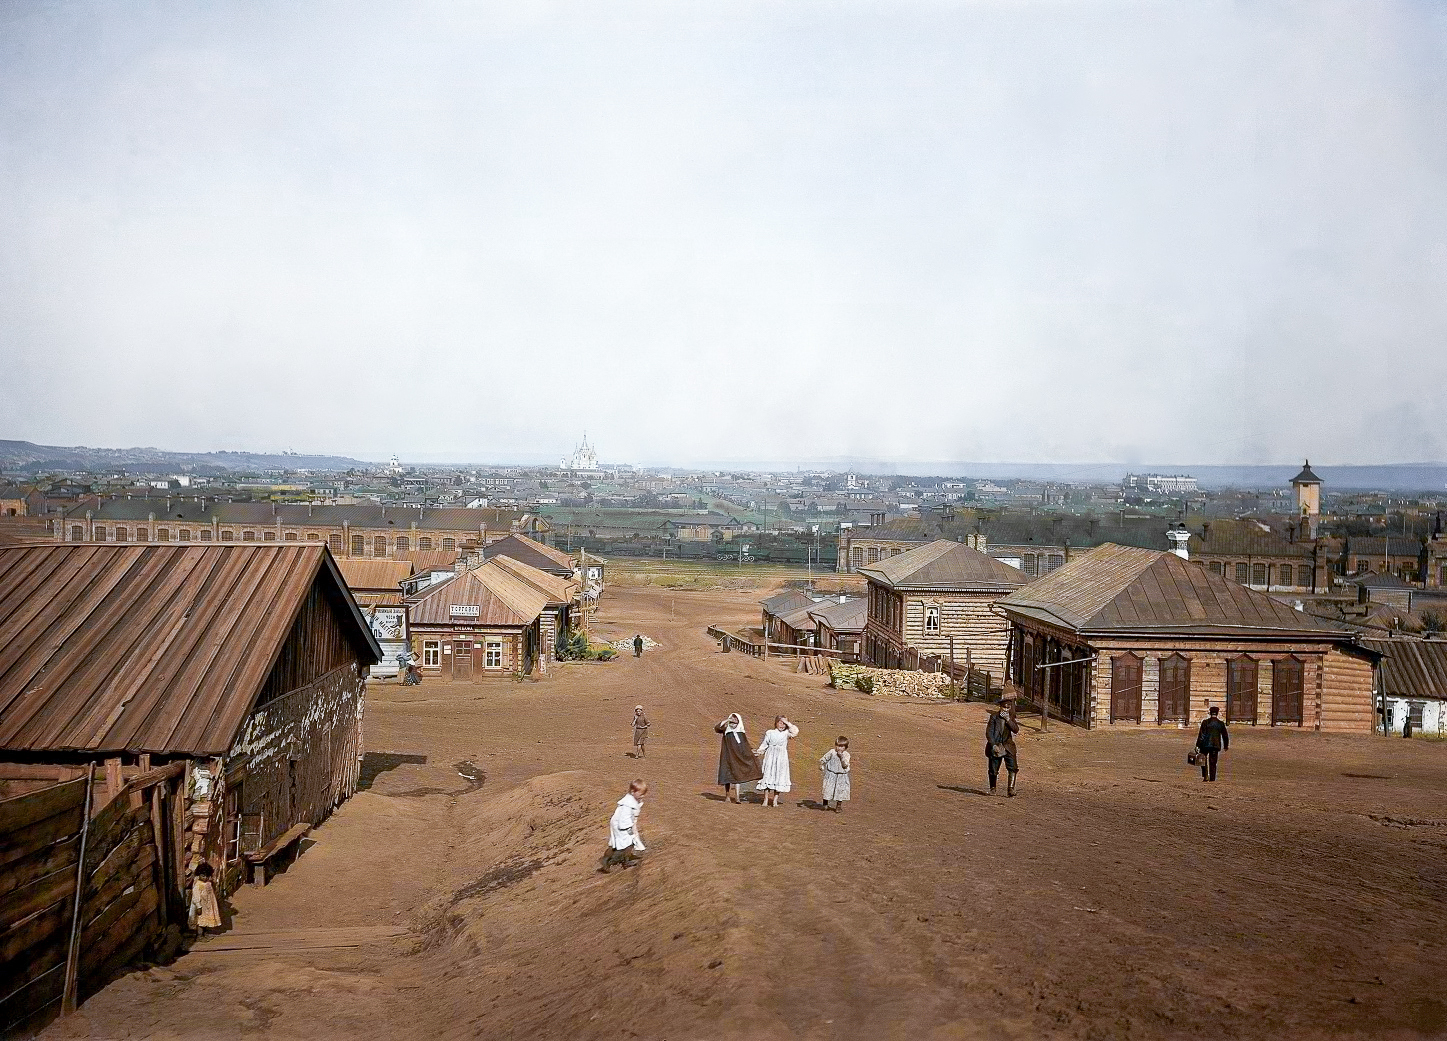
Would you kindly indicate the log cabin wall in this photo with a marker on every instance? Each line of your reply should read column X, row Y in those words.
column 967, row 617
column 1336, row 685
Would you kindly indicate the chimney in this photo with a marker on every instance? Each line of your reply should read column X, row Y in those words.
column 1180, row 538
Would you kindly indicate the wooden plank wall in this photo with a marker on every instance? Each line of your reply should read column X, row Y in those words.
column 39, row 851
column 125, row 903
column 977, row 630
column 1344, row 678
column 301, row 753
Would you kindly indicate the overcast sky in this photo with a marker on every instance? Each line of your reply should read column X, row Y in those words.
column 705, row 231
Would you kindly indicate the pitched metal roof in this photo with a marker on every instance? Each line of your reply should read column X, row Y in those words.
column 1389, row 545
column 159, row 649
column 945, row 565
column 530, row 552
column 558, row 590
column 376, row 573
column 788, row 600
column 500, row 599
column 1245, row 538
column 1115, row 589
column 848, row 617
column 1413, row 668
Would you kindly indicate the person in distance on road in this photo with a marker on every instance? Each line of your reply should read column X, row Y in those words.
column 1211, row 740
column 737, row 765
column 1000, row 730
column 624, row 842
column 640, row 732
column 775, row 750
column 637, row 645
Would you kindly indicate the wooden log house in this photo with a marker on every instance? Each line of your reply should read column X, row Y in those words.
column 225, row 681
column 936, row 599
column 483, row 621
column 1137, row 637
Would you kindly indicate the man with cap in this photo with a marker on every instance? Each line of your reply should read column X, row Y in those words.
column 1000, row 730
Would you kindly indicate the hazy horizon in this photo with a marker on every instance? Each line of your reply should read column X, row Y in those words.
column 746, row 231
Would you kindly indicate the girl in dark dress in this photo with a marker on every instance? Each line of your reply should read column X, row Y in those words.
column 736, row 761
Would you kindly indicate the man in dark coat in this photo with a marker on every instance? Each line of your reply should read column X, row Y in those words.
column 1000, row 731
column 1211, row 741
column 637, row 646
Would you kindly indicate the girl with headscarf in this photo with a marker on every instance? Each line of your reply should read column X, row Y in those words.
column 736, row 762
column 775, row 750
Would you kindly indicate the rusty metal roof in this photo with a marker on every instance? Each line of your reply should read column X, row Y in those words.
column 848, row 617
column 430, row 559
column 499, row 599
column 557, row 590
column 163, row 649
column 943, row 564
column 374, row 573
column 532, row 553
column 1412, row 668
column 1115, row 589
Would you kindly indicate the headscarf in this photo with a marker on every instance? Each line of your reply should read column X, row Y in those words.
column 734, row 724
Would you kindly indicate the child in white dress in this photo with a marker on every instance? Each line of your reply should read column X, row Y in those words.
column 835, row 764
column 775, row 750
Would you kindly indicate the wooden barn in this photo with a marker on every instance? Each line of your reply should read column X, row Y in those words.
column 936, row 599
column 1127, row 636
column 218, row 688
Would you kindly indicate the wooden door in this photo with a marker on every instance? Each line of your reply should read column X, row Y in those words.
column 1287, row 693
column 1175, row 689
column 1125, row 688
column 1241, row 690
column 462, row 659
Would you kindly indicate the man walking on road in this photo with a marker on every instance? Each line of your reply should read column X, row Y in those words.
column 1211, row 741
column 1000, row 731
column 637, row 645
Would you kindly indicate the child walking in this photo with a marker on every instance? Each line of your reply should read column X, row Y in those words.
column 640, row 732
column 835, row 764
column 623, row 837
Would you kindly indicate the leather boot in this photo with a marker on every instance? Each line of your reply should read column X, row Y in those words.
column 1010, row 787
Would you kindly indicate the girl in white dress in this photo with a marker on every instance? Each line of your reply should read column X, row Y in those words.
column 775, row 750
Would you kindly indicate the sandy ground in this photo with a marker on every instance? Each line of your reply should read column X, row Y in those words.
column 1117, row 897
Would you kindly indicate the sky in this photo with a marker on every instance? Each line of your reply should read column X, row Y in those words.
column 783, row 232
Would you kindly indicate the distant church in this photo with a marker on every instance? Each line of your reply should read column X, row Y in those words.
column 583, row 458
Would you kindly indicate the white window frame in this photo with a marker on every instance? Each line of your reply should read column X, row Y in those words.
column 931, row 619
column 492, row 655
column 431, row 653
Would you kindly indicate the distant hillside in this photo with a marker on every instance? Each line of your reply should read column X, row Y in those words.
column 23, row 455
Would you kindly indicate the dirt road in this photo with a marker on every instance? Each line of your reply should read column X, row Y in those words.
column 1302, row 896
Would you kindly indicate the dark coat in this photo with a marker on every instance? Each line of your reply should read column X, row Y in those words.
column 737, row 763
column 1213, row 736
column 1012, row 727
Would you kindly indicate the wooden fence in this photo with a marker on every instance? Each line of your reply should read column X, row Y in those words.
column 112, row 867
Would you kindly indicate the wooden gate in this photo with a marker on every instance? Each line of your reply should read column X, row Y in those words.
column 1287, row 691
column 1241, row 690
column 1125, row 689
column 1175, row 689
